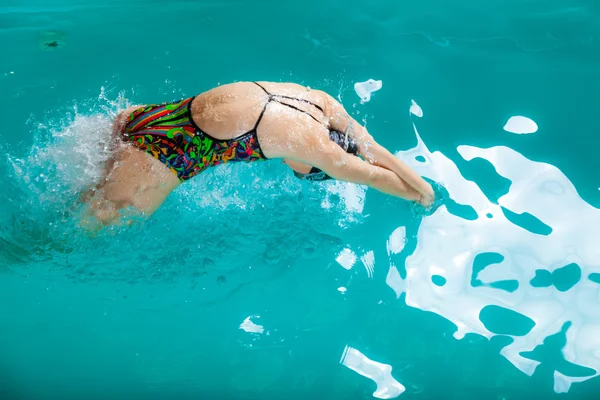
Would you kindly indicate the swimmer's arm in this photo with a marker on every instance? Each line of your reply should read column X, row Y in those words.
column 335, row 162
column 369, row 149
column 382, row 157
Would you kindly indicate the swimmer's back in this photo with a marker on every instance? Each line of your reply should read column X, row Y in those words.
column 228, row 111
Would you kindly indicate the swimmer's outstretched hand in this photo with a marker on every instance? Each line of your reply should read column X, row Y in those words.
column 426, row 206
column 427, row 198
column 406, row 183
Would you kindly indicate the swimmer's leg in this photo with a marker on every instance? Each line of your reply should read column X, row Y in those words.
column 117, row 129
column 103, row 201
column 99, row 206
column 136, row 184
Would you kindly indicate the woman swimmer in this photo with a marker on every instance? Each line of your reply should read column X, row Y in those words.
column 244, row 121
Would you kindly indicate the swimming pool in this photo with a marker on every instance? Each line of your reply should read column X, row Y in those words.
column 267, row 287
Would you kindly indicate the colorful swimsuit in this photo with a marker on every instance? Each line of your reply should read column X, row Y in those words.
column 168, row 132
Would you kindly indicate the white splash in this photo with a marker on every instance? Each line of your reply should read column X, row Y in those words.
column 397, row 240
column 346, row 259
column 368, row 260
column 351, row 194
column 447, row 245
column 415, row 109
column 364, row 89
column 521, row 125
column 381, row 374
column 251, row 327
column 342, row 289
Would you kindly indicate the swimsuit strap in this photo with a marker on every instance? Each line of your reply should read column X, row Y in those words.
column 273, row 97
column 262, row 112
column 261, row 86
column 298, row 109
column 318, row 107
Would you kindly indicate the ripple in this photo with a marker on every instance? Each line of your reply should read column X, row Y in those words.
column 559, row 237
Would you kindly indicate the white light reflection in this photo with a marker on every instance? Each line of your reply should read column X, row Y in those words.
column 397, row 240
column 368, row 260
column 521, row 125
column 562, row 383
column 351, row 194
column 364, row 89
column 346, row 259
column 251, row 327
column 381, row 374
column 394, row 281
column 415, row 109
column 448, row 244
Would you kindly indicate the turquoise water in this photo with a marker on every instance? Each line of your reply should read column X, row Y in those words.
column 494, row 295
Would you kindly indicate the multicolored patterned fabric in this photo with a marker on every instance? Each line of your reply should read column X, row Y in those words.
column 168, row 133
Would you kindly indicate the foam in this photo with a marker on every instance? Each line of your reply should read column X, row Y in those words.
column 76, row 159
column 387, row 386
column 447, row 245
